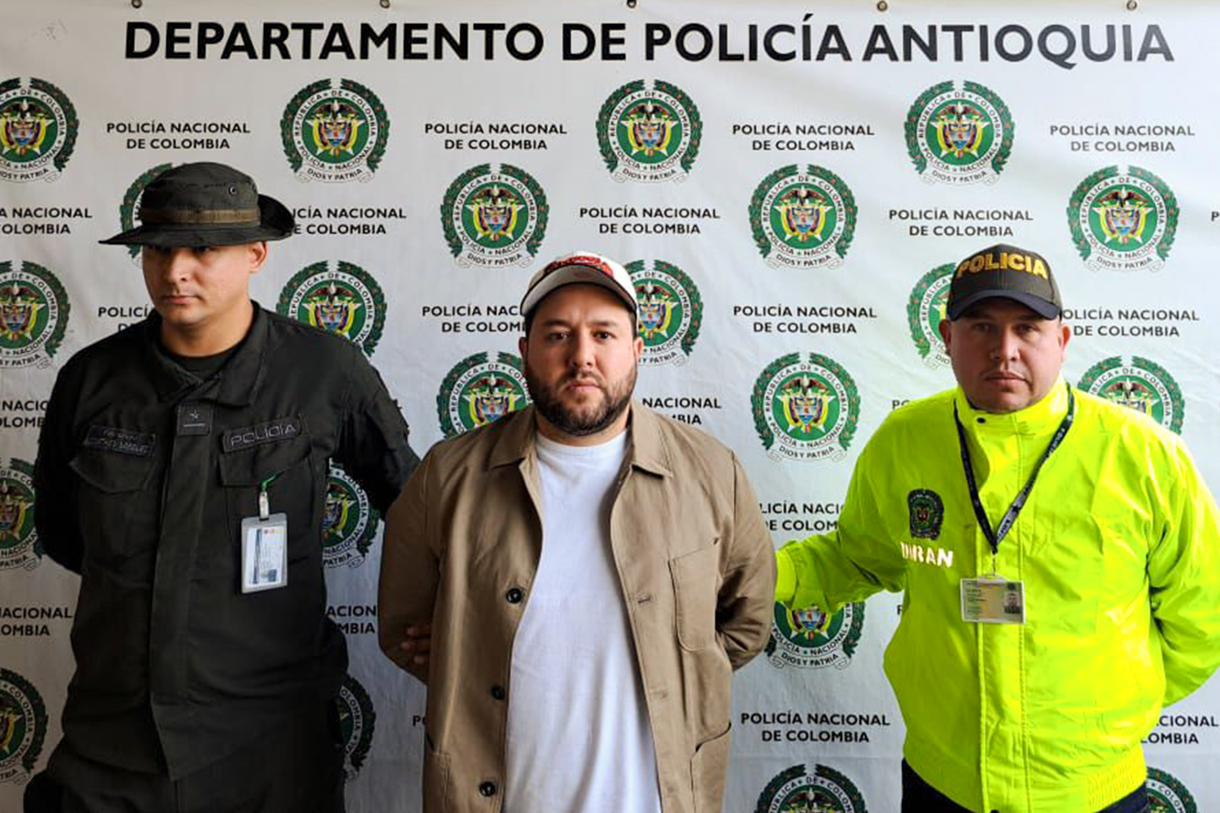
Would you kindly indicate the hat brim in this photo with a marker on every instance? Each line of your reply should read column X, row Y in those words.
column 275, row 223
column 1040, row 306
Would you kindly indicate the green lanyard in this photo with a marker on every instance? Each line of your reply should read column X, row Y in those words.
column 264, row 501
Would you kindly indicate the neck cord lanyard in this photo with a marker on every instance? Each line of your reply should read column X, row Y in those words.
column 994, row 537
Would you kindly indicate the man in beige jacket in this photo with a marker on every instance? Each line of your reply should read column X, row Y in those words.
column 592, row 573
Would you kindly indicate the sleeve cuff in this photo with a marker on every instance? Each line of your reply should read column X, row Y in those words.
column 785, row 578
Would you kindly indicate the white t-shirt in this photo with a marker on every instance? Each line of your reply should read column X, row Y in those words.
column 579, row 739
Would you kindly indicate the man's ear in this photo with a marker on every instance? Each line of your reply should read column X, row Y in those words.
column 258, row 255
column 946, row 329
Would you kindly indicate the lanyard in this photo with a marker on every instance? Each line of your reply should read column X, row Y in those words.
column 994, row 537
column 264, row 501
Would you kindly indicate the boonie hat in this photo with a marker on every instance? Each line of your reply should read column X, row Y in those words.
column 1004, row 272
column 205, row 204
column 581, row 266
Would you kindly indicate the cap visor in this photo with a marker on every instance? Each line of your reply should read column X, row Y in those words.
column 1047, row 310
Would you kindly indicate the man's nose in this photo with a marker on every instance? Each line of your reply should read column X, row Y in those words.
column 1006, row 344
column 582, row 349
column 177, row 262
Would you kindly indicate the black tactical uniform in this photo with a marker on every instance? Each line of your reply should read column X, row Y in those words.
column 145, row 472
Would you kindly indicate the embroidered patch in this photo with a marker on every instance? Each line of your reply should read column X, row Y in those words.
column 927, row 513
column 119, row 441
column 270, row 432
column 195, row 419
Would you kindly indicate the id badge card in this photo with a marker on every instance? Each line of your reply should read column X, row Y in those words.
column 993, row 600
column 264, row 553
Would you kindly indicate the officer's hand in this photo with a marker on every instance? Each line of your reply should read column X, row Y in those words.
column 416, row 644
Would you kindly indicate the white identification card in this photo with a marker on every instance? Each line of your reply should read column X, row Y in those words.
column 264, row 553
column 993, row 600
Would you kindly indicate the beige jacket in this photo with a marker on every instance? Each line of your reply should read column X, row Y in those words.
column 694, row 560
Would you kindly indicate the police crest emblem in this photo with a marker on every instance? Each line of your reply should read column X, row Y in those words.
column 19, row 545
column 1142, row 385
column 349, row 521
column 670, row 312
column 649, row 132
column 926, row 308
column 803, row 217
column 1167, row 794
column 494, row 216
column 926, row 513
column 808, row 638
column 334, row 132
column 38, row 127
column 356, row 722
column 339, row 298
column 802, row 790
column 23, row 727
column 1124, row 221
column 959, row 136
column 479, row 390
column 33, row 315
column 805, row 408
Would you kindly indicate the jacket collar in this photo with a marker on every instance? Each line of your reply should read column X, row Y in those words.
column 240, row 378
column 1041, row 418
column 648, row 449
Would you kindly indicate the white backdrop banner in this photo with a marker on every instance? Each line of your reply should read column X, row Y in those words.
column 789, row 184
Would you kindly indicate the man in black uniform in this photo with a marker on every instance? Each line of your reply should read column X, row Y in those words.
column 182, row 471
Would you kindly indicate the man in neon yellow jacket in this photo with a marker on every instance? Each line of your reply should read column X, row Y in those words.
column 1060, row 557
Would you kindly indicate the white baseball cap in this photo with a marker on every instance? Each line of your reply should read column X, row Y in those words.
column 580, row 267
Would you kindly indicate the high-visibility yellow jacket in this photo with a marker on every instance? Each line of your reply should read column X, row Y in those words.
column 1119, row 551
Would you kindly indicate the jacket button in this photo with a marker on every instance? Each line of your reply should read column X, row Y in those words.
column 515, row 595
column 487, row 789
column 497, row 692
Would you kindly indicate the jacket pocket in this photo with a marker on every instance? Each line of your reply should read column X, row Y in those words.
column 285, row 466
column 436, row 779
column 707, row 770
column 114, row 505
column 696, row 578
column 251, row 467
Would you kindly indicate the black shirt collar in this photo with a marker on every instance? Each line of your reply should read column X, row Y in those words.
column 239, row 379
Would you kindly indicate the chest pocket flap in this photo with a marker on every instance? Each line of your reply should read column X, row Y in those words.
column 112, row 473
column 250, row 467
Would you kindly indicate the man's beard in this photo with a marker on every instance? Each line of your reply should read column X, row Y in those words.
column 614, row 401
